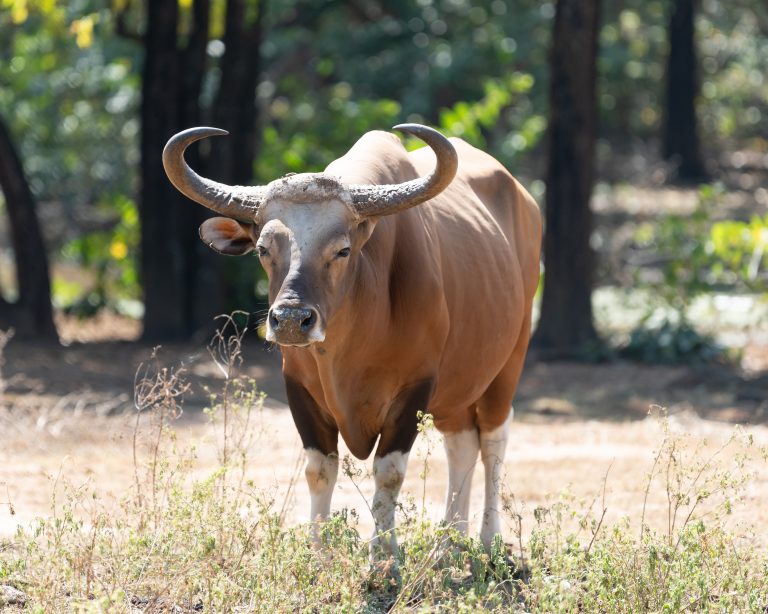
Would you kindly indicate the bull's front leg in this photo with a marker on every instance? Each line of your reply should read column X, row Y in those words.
column 390, row 462
column 320, row 438
column 321, row 472
column 388, row 475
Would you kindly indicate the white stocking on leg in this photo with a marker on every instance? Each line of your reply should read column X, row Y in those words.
column 493, row 445
column 321, row 472
column 388, row 474
column 461, row 449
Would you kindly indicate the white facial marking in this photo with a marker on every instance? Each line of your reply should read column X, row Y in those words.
column 461, row 449
column 493, row 445
column 321, row 471
column 388, row 474
column 316, row 232
column 316, row 336
column 308, row 224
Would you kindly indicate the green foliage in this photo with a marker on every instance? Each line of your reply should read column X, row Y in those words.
column 632, row 52
column 306, row 138
column 740, row 250
column 671, row 342
column 473, row 121
column 427, row 55
column 355, row 69
column 732, row 49
column 702, row 255
column 698, row 256
column 69, row 90
column 681, row 242
column 111, row 255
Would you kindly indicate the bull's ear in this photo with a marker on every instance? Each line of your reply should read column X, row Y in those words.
column 227, row 236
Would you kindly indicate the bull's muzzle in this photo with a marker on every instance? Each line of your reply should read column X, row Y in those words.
column 294, row 325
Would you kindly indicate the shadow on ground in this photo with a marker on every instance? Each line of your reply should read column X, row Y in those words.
column 102, row 373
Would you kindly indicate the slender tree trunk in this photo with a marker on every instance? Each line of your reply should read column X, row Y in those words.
column 32, row 314
column 161, row 256
column 681, row 134
column 203, row 269
column 184, row 282
column 176, row 302
column 566, row 325
column 235, row 108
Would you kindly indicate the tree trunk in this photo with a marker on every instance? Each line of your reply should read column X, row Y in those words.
column 32, row 314
column 184, row 282
column 231, row 157
column 161, row 255
column 566, row 327
column 176, row 302
column 235, row 110
column 681, row 136
column 203, row 270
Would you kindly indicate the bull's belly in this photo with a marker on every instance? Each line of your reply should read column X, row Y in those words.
column 471, row 363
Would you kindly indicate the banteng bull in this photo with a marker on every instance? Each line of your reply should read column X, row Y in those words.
column 383, row 308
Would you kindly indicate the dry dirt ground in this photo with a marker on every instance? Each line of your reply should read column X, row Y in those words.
column 66, row 416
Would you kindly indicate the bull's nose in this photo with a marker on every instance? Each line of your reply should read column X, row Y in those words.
column 293, row 317
column 293, row 325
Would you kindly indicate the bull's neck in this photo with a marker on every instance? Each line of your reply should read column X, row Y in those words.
column 363, row 317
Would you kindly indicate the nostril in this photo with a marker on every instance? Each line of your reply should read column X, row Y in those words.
column 273, row 321
column 308, row 322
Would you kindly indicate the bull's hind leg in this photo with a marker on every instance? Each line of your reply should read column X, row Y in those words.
column 493, row 445
column 494, row 412
column 461, row 449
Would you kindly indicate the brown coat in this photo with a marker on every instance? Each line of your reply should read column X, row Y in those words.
column 437, row 316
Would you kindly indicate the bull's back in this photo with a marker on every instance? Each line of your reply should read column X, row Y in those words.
column 489, row 231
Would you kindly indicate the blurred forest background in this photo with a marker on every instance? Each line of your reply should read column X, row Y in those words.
column 640, row 126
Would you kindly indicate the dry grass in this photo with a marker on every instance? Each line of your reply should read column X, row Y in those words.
column 188, row 513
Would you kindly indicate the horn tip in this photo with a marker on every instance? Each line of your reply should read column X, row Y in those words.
column 420, row 130
column 201, row 132
column 409, row 127
column 207, row 131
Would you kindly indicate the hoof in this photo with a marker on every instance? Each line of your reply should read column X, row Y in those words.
column 508, row 566
column 388, row 570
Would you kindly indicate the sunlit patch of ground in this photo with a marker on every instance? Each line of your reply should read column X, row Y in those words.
column 66, row 417
column 104, row 326
column 545, row 459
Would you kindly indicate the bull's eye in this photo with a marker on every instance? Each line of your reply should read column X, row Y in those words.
column 343, row 253
column 263, row 252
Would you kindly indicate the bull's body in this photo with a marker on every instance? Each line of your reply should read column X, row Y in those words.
column 440, row 309
column 434, row 316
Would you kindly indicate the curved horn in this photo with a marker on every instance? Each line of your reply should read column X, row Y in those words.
column 378, row 200
column 238, row 202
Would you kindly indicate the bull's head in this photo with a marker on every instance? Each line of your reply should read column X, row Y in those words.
column 308, row 229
